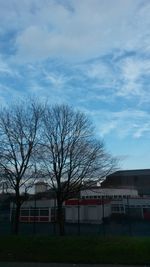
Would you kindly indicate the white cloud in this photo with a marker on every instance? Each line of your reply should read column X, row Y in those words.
column 75, row 30
column 107, row 48
column 125, row 123
column 108, row 127
column 6, row 69
column 98, row 72
column 133, row 73
column 142, row 130
column 58, row 81
column 9, row 94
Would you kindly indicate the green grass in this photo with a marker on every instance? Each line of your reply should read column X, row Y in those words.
column 118, row 250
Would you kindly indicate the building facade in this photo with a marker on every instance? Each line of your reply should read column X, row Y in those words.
column 133, row 179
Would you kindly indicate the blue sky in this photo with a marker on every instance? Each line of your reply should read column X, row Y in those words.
column 91, row 54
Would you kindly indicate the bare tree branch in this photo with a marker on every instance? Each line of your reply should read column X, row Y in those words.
column 19, row 127
column 71, row 156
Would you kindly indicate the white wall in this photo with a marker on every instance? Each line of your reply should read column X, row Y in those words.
column 87, row 213
column 112, row 192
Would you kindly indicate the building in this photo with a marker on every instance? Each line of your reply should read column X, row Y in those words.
column 87, row 210
column 123, row 193
column 133, row 179
column 93, row 206
column 133, row 207
column 108, row 193
column 37, row 210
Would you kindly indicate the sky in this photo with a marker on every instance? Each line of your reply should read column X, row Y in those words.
column 91, row 54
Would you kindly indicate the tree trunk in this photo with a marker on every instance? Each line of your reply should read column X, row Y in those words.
column 17, row 217
column 17, row 213
column 60, row 217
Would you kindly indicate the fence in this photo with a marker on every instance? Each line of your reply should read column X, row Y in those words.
column 112, row 226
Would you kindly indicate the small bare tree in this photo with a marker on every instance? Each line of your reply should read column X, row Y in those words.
column 19, row 126
column 71, row 156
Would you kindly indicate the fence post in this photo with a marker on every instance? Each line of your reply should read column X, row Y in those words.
column 34, row 221
column 129, row 217
column 79, row 216
column 55, row 216
column 103, row 216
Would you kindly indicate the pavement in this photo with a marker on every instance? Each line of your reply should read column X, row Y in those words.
column 37, row 264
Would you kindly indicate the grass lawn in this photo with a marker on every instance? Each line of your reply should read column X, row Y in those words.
column 116, row 250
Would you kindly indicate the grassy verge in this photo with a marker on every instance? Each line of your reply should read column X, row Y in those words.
column 118, row 250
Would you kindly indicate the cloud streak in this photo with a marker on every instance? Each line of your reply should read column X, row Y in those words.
column 75, row 30
column 126, row 123
column 91, row 54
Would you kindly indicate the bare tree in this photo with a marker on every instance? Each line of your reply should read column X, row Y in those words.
column 19, row 126
column 71, row 155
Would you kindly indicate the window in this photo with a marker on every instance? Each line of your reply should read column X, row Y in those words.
column 135, row 179
column 44, row 212
column 24, row 212
column 34, row 212
column 115, row 208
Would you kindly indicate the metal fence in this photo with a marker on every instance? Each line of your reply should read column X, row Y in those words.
column 113, row 226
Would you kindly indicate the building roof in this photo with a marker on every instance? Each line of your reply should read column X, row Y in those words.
column 138, row 179
column 131, row 172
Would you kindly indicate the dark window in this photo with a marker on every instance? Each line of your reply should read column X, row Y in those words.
column 34, row 212
column 135, row 179
column 24, row 212
column 115, row 208
column 44, row 212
